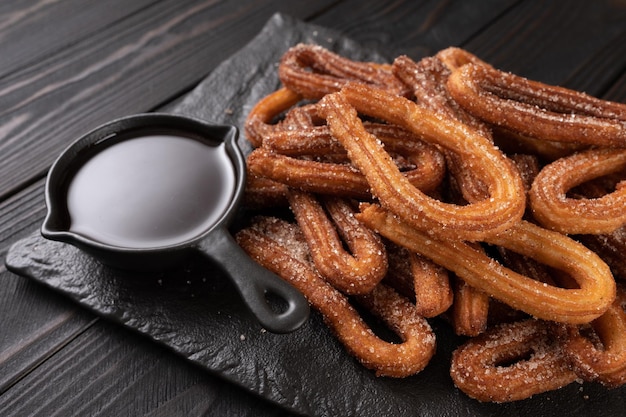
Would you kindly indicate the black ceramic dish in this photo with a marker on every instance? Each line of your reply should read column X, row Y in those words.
column 144, row 192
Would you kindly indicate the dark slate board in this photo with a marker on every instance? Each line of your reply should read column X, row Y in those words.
column 196, row 313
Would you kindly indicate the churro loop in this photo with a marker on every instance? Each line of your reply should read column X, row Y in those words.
column 259, row 120
column 425, row 164
column 317, row 140
column 506, row 202
column 604, row 361
column 552, row 207
column 426, row 172
column 427, row 79
column 313, row 72
column 536, row 109
column 400, row 315
column 596, row 289
column 511, row 362
column 280, row 247
column 454, row 58
column 326, row 225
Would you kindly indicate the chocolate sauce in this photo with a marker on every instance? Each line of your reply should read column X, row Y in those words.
column 150, row 191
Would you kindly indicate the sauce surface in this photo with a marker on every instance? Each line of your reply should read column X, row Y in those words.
column 150, row 191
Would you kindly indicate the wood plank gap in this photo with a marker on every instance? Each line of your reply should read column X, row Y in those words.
column 55, row 325
column 21, row 214
column 17, row 34
column 610, row 61
column 495, row 18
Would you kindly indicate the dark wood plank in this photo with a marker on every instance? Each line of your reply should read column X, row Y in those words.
column 170, row 385
column 604, row 67
column 580, row 45
column 35, row 323
column 417, row 29
column 109, row 371
column 30, row 337
column 130, row 66
column 21, row 214
column 617, row 91
column 34, row 29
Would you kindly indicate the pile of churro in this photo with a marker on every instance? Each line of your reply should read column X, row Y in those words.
column 447, row 188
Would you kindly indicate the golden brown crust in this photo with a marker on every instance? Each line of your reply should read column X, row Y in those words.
column 308, row 175
column 553, row 208
column 431, row 283
column 470, row 312
column 537, row 110
column 425, row 164
column 261, row 192
column 454, row 58
column 280, row 247
column 511, row 362
column 506, row 204
column 259, row 120
column 313, row 72
column 426, row 148
column 591, row 300
column 605, row 360
column 427, row 79
column 326, row 225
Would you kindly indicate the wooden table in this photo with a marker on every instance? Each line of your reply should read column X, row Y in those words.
column 68, row 65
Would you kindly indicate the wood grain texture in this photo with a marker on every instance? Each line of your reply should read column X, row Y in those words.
column 418, row 28
column 110, row 371
column 550, row 42
column 21, row 214
column 35, row 323
column 617, row 91
column 55, row 359
column 31, row 337
column 31, row 30
column 603, row 69
column 130, row 66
